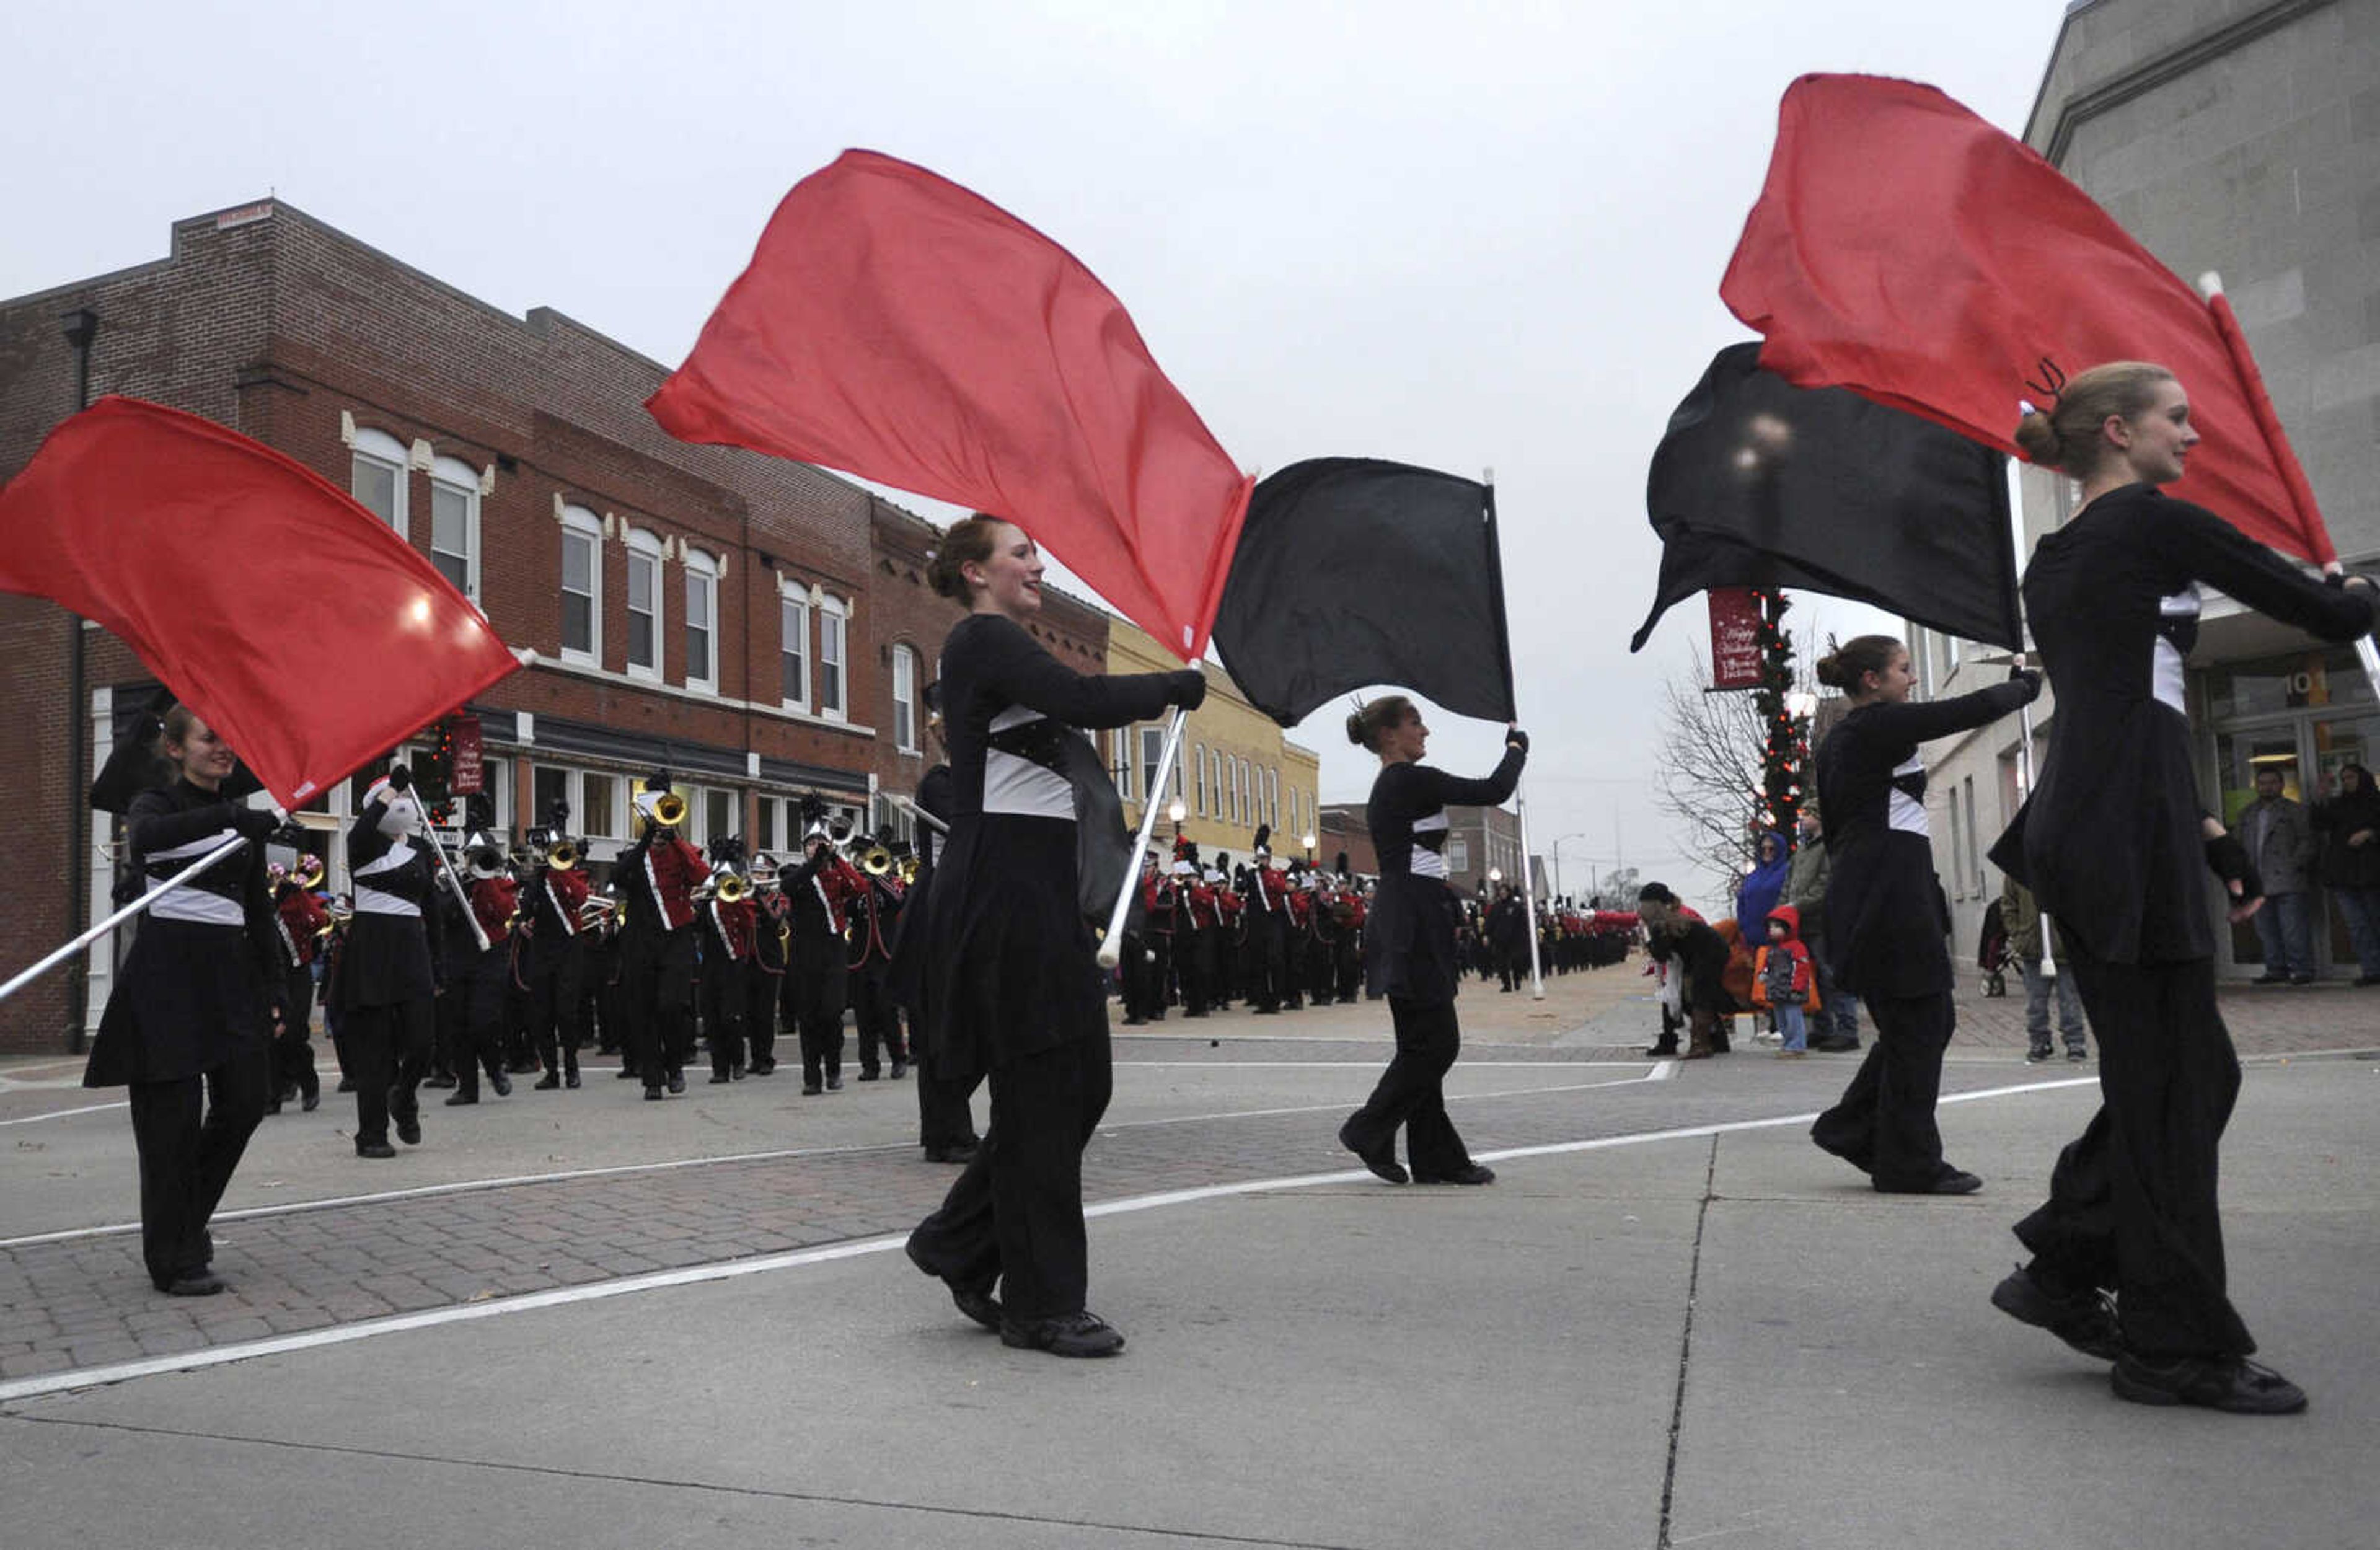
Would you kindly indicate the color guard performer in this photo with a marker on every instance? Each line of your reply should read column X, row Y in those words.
column 387, row 979
column 188, row 1029
column 1410, row 951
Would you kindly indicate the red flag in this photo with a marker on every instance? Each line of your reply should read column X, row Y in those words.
column 288, row 616
column 1907, row 249
column 898, row 327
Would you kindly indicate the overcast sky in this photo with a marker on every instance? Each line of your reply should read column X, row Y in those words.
column 1457, row 235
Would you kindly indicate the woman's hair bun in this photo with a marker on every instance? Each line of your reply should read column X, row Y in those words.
column 2036, row 434
column 1355, row 728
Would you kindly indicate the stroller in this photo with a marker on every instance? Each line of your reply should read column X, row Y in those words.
column 1992, row 954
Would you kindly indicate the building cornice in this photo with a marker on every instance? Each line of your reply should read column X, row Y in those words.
column 2152, row 72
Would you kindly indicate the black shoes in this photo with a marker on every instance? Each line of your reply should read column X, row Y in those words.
column 2037, row 1055
column 374, row 1149
column 548, row 1083
column 813, row 1089
column 867, row 1074
column 720, row 1079
column 409, row 1128
column 834, row 1081
column 1950, row 1180
column 961, row 1154
column 2077, row 1053
column 677, row 1082
column 1469, row 1173
column 438, row 1079
column 1666, row 1048
column 200, row 1282
column 1380, row 1159
column 1066, row 1335
column 2270, row 979
column 763, row 1068
column 311, row 1101
column 974, row 1301
column 626, row 1074
column 2221, row 1383
column 1835, row 1043
column 899, row 1070
column 569, row 1078
column 2084, row 1320
column 503, row 1083
column 2297, row 979
column 456, row 1099
column 653, row 1094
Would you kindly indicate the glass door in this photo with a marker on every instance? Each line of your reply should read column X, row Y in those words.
column 2339, row 739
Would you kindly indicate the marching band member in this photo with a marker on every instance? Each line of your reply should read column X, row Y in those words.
column 1144, row 990
column 1347, row 953
column 1193, row 943
column 388, row 976
column 550, row 953
column 657, row 877
column 1013, row 988
column 188, row 1029
column 875, row 921
column 1409, row 952
column 1268, row 930
column 772, row 934
column 726, row 937
column 822, row 890
column 471, row 1012
column 1223, row 977
column 301, row 920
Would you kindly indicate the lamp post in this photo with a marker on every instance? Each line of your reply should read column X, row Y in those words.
column 1309, row 847
column 1177, row 812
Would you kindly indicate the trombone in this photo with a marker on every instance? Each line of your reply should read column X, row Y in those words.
column 661, row 809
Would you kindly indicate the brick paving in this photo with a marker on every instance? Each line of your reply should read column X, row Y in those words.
column 84, row 1302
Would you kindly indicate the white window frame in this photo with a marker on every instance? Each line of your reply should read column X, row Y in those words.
column 794, row 623
column 380, row 447
column 834, row 625
column 1273, row 795
column 646, row 547
column 458, row 477
column 1458, row 853
column 1239, row 789
column 578, row 522
column 701, row 581
column 617, row 810
column 1120, row 746
column 904, row 700
column 1152, row 745
column 1921, row 652
column 1201, row 809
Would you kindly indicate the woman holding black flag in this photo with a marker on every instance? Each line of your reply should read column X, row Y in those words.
column 1886, row 916
column 1012, row 987
column 2113, row 841
column 1409, row 948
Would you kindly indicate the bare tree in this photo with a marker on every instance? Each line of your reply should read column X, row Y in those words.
column 1709, row 766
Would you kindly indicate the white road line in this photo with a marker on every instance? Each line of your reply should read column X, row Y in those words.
column 470, row 1186
column 64, row 1113
column 1358, row 1065
column 182, row 1361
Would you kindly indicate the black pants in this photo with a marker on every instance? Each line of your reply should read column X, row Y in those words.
column 1348, row 960
column 553, row 994
column 657, row 974
column 760, row 991
column 944, row 1117
column 879, row 1019
column 1412, row 1092
column 186, row 1157
column 1015, row 1212
column 723, row 1014
column 1192, row 948
column 1884, row 1122
column 818, row 996
column 2131, row 1203
column 292, row 1052
column 388, row 1054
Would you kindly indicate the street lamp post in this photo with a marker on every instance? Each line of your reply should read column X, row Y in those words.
column 1177, row 812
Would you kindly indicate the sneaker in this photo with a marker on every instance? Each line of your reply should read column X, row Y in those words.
column 2037, row 1054
column 503, row 1083
column 1469, row 1173
column 2085, row 1320
column 2076, row 1052
column 549, row 1081
column 1066, row 1335
column 2221, row 1383
column 570, row 1079
column 834, row 1083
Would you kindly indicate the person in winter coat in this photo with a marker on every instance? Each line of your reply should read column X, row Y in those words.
column 1835, row 1029
column 2022, row 916
column 2346, row 814
column 2279, row 837
column 1785, row 982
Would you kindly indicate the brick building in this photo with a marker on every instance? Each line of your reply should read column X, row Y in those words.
column 758, row 627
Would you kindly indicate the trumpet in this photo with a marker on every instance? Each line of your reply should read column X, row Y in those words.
column 908, row 871
column 664, row 810
column 732, row 889
column 876, row 860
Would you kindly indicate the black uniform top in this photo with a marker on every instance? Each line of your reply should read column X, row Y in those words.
column 1409, row 941
column 1886, row 916
column 1009, row 959
column 206, row 964
column 396, row 940
column 2109, row 839
column 905, row 982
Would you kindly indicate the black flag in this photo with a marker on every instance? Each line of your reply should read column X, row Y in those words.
column 1351, row 571
column 1760, row 483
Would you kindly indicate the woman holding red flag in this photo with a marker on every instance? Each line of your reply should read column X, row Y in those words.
column 1012, row 987
column 188, row 1028
column 2111, row 842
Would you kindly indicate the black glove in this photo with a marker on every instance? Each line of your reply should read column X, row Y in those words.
column 2230, row 859
column 1186, row 688
column 2028, row 677
column 253, row 823
column 1516, row 738
column 400, row 778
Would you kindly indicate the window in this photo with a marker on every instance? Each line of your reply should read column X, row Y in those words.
column 792, row 647
column 833, row 622
column 764, row 825
column 702, row 621
column 1458, row 853
column 1272, row 796
column 1152, row 749
column 1949, row 655
column 582, row 585
column 454, row 524
column 1958, row 872
column 1119, row 761
column 1201, row 809
column 376, row 476
column 597, row 816
column 547, row 785
column 644, row 604
column 1239, row 789
column 1921, row 657
column 904, row 700
column 1974, row 858
column 719, row 817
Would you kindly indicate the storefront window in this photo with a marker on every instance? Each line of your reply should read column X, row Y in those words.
column 2327, row 678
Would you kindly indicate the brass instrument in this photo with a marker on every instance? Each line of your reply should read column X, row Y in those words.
column 876, row 860
column 666, row 810
column 909, row 865
column 340, row 915
column 732, row 889
column 307, row 873
column 563, row 856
